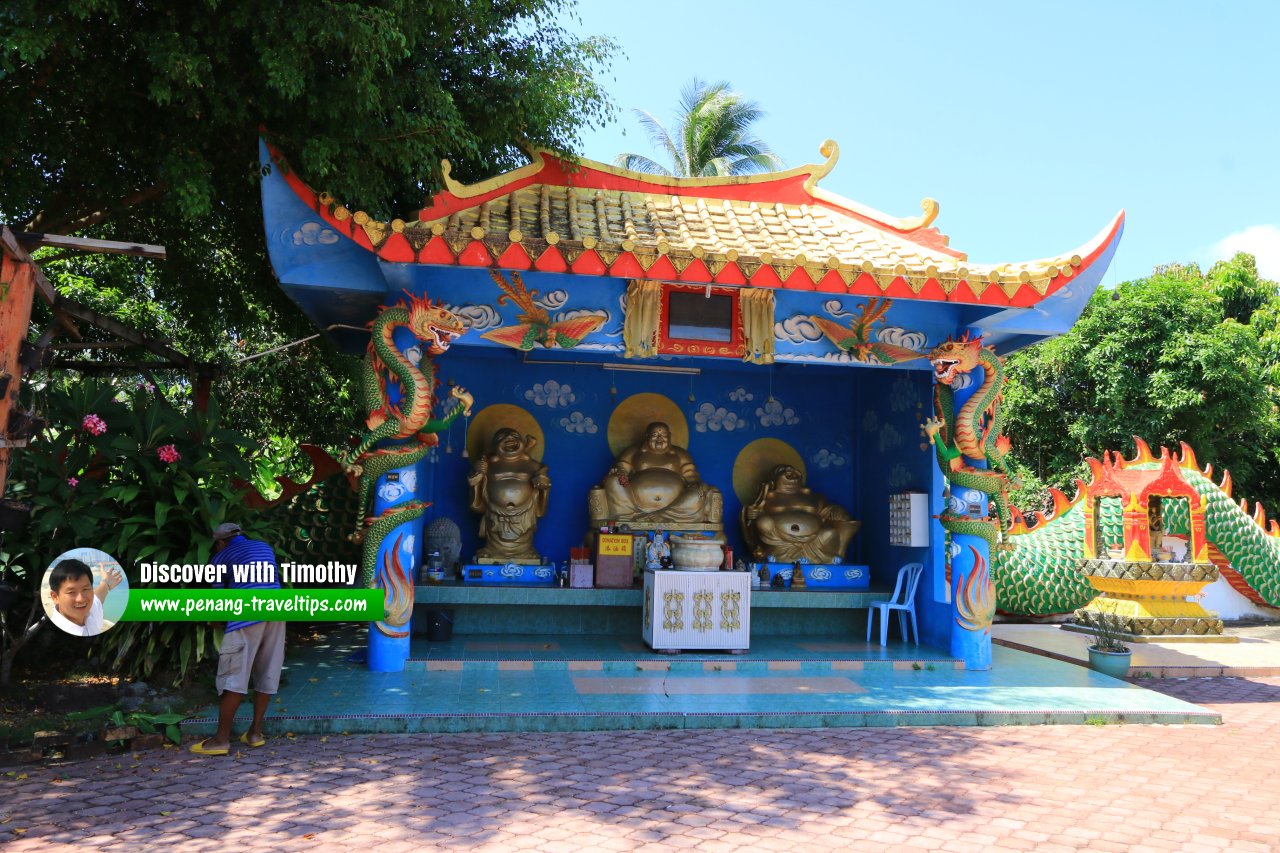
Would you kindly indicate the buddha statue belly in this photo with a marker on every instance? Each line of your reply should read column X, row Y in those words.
column 790, row 522
column 655, row 482
column 511, row 490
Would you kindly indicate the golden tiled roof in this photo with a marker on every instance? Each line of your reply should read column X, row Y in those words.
column 782, row 221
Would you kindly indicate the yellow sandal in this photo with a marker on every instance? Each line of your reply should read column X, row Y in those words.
column 199, row 749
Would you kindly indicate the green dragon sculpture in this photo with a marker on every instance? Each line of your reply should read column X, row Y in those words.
column 973, row 432
column 409, row 418
column 1035, row 575
column 1034, row 556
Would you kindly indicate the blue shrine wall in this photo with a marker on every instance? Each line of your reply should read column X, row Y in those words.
column 812, row 411
column 894, row 456
column 857, row 428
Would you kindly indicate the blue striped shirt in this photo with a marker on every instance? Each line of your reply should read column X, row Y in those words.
column 251, row 557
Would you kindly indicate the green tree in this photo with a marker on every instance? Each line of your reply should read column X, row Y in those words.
column 713, row 135
column 140, row 478
column 1160, row 358
column 1237, row 283
column 139, row 121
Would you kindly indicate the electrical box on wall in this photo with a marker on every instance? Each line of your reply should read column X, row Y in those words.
column 909, row 519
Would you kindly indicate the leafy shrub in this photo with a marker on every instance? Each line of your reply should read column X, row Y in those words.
column 142, row 479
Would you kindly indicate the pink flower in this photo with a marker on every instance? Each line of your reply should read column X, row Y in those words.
column 168, row 453
column 93, row 425
column 72, row 482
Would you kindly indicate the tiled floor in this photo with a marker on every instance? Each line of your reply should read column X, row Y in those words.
column 1255, row 653
column 514, row 683
column 585, row 647
column 1052, row 789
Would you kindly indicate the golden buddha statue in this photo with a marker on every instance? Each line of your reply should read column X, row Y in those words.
column 789, row 522
column 654, row 482
column 510, row 488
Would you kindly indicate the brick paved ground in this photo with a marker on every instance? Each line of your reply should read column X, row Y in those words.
column 1044, row 788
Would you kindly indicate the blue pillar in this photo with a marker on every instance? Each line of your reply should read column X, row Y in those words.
column 396, row 572
column 399, row 552
column 971, row 587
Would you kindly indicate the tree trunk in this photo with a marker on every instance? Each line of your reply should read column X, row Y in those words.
column 14, row 644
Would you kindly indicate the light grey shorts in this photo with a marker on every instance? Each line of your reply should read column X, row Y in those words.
column 255, row 650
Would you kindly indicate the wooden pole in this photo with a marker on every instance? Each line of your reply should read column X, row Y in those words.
column 33, row 240
column 17, row 290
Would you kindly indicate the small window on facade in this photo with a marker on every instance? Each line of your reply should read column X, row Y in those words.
column 695, row 316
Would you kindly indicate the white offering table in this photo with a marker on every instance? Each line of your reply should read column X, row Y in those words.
column 697, row 610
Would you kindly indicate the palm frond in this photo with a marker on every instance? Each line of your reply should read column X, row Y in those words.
column 661, row 139
column 640, row 163
column 712, row 135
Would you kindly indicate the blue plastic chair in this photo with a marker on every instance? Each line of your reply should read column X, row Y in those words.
column 903, row 601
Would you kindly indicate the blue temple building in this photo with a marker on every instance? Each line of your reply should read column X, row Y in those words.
column 764, row 319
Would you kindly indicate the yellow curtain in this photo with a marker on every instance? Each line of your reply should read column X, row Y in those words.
column 640, row 325
column 757, row 324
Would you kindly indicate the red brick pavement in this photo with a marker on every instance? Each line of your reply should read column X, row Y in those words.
column 1139, row 788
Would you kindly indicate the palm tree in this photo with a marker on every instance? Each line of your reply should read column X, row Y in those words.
column 713, row 136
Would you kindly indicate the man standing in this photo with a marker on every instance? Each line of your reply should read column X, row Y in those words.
column 249, row 649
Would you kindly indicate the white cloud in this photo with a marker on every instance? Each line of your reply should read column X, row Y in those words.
column 314, row 234
column 835, row 309
column 1261, row 241
column 827, row 459
column 902, row 337
column 550, row 394
column 477, row 318
column 902, row 394
column 717, row 418
column 773, row 413
column 579, row 423
column 797, row 329
column 740, row 395
column 554, row 300
column 899, row 476
column 889, row 437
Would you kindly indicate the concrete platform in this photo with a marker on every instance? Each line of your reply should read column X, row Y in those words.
column 508, row 682
column 1256, row 654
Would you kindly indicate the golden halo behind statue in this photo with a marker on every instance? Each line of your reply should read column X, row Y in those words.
column 632, row 415
column 756, row 462
column 490, row 419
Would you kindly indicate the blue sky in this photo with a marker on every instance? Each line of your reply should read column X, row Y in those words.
column 1031, row 124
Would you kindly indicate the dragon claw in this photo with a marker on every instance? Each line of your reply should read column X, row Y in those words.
column 462, row 395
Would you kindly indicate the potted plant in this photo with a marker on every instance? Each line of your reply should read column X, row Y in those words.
column 1108, row 654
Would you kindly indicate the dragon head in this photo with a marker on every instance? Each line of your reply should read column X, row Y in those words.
column 954, row 357
column 433, row 324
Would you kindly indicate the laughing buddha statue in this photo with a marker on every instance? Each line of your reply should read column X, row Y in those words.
column 654, row 482
column 510, row 488
column 789, row 522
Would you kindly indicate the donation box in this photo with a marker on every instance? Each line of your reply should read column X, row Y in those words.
column 697, row 610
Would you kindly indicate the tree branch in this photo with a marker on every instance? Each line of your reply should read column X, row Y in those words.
column 73, row 221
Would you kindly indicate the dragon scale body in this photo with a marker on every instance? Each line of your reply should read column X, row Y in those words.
column 1035, row 574
column 974, row 433
column 409, row 420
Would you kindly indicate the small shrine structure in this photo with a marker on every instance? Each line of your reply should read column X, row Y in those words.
column 1147, row 579
column 775, row 329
